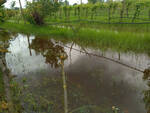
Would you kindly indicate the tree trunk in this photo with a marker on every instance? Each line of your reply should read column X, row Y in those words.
column 21, row 10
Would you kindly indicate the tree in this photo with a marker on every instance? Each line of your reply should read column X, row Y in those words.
column 94, row 1
column 36, row 11
column 21, row 11
column 66, row 2
column 2, row 2
column 2, row 10
column 13, row 3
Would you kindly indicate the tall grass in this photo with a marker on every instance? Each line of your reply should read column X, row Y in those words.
column 117, row 27
column 118, row 40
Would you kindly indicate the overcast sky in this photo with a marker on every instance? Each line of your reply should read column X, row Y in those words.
column 8, row 3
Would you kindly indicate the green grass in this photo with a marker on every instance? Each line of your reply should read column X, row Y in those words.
column 117, row 27
column 90, row 37
column 35, row 29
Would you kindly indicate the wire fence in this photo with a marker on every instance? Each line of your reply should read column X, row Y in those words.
column 96, row 21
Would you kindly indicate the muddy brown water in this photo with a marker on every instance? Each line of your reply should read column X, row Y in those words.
column 94, row 84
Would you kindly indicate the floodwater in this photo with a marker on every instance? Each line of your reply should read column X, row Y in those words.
column 94, row 84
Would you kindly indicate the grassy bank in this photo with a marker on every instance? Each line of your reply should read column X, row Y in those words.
column 94, row 37
column 94, row 24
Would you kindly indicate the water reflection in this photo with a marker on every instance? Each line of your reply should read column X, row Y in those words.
column 55, row 56
column 94, row 84
column 49, row 50
column 20, row 61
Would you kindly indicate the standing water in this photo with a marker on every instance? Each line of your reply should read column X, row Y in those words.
column 94, row 84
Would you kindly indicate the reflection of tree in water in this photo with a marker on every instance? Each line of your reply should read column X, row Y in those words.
column 146, row 77
column 5, row 38
column 4, row 35
column 55, row 55
column 49, row 50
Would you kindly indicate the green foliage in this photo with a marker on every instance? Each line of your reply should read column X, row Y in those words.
column 2, row 14
column 130, row 11
column 37, row 11
column 11, row 13
column 2, row 2
column 2, row 10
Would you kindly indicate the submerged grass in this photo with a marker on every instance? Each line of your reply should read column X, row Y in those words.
column 93, row 37
column 126, row 41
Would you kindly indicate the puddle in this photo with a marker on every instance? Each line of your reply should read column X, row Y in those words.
column 94, row 84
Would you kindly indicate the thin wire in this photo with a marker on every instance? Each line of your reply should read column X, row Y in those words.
column 100, row 56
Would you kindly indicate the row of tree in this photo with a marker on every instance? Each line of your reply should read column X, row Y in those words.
column 37, row 10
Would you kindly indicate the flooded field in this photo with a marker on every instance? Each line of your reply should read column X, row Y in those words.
column 94, row 84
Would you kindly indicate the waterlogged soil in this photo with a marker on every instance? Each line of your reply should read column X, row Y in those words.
column 94, row 84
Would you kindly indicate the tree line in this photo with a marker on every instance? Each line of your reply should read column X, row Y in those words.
column 42, row 11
